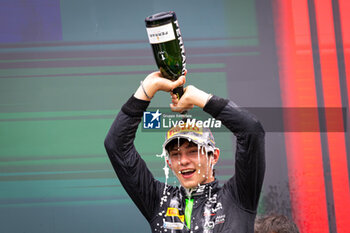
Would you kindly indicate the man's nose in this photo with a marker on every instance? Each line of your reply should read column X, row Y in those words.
column 184, row 160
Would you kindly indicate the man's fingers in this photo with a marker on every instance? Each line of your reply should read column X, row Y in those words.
column 175, row 100
column 183, row 80
column 180, row 81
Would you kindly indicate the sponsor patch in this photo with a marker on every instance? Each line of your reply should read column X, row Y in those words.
column 220, row 219
column 173, row 212
column 173, row 225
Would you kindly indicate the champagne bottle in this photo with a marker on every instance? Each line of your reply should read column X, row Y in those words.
column 168, row 49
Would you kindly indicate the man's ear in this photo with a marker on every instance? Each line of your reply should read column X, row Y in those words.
column 216, row 155
column 168, row 162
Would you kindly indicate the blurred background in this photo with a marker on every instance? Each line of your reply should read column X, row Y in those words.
column 67, row 66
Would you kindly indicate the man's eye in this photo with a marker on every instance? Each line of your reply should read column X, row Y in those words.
column 174, row 154
column 195, row 151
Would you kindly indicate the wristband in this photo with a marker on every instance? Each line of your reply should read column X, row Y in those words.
column 144, row 91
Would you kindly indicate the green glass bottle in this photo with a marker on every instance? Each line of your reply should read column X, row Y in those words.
column 168, row 49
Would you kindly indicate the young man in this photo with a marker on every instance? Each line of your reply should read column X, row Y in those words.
column 199, row 204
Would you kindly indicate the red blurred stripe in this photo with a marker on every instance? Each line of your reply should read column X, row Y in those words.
column 304, row 155
column 332, row 98
column 344, row 8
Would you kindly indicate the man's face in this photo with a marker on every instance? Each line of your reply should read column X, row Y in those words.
column 191, row 165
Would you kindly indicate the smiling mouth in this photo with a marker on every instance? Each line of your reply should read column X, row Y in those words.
column 187, row 173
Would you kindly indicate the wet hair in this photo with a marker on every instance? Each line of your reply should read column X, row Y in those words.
column 274, row 223
column 179, row 142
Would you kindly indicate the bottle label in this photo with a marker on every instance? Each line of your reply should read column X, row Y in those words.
column 182, row 47
column 161, row 34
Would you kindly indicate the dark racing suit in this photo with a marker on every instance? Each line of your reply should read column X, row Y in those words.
column 230, row 208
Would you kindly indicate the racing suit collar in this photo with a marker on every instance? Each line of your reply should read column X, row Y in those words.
column 201, row 190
